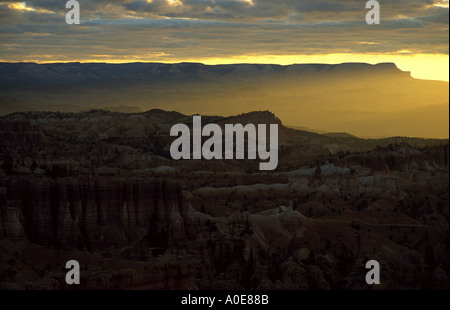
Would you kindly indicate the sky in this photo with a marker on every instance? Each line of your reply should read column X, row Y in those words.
column 412, row 33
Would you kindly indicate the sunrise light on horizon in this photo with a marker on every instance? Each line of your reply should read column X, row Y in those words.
column 413, row 36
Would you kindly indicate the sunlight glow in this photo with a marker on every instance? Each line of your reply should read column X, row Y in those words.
column 20, row 6
column 442, row 4
column 23, row 7
column 421, row 66
column 174, row 2
column 250, row 2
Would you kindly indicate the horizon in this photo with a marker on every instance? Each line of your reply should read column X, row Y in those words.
column 415, row 75
column 333, row 101
column 413, row 36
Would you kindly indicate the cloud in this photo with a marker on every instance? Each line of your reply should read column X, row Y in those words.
column 198, row 29
column 437, row 15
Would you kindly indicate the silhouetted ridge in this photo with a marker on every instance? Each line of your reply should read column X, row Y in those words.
column 32, row 74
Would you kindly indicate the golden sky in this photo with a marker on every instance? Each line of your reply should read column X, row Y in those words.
column 412, row 33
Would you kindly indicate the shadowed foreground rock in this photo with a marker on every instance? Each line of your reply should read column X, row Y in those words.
column 45, row 222
column 101, row 188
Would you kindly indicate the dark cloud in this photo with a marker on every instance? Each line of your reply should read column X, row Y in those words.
column 437, row 15
column 321, row 6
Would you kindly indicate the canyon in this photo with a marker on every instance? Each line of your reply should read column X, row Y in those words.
column 101, row 187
